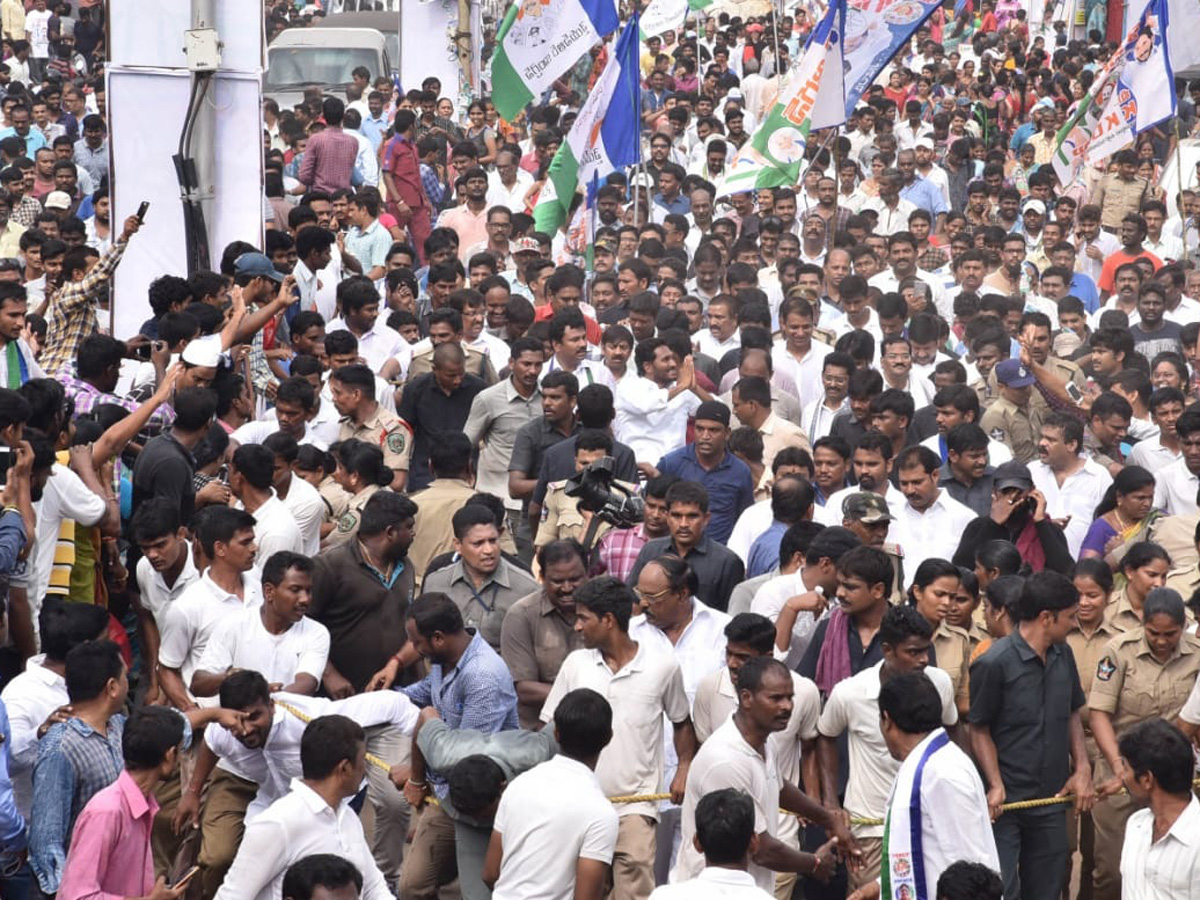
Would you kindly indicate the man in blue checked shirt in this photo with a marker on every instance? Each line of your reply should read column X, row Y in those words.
column 470, row 687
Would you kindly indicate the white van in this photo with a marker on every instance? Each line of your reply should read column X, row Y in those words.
column 321, row 57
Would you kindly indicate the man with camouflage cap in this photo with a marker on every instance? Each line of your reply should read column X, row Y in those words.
column 868, row 516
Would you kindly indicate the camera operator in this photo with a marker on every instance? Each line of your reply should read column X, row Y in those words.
column 564, row 517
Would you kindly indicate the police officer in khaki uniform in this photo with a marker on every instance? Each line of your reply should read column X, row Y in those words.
column 1145, row 566
column 446, row 325
column 1011, row 419
column 1185, row 577
column 867, row 515
column 951, row 644
column 1143, row 674
column 562, row 519
column 363, row 419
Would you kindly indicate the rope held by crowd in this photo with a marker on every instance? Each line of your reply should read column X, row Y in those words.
column 859, row 820
column 374, row 760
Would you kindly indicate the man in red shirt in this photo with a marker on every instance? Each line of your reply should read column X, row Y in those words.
column 1132, row 233
column 402, row 177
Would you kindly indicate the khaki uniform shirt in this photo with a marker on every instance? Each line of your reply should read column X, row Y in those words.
column 1177, row 535
column 484, row 607
column 1186, row 581
column 476, row 364
column 1006, row 422
column 346, row 525
column 336, row 497
column 778, row 433
column 1132, row 686
column 1120, row 612
column 385, row 430
column 562, row 519
column 1116, row 197
column 432, row 533
column 535, row 638
column 1088, row 649
column 952, row 648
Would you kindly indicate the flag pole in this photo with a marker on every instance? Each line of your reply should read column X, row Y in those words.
column 1179, row 176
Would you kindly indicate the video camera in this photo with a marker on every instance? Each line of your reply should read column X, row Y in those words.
column 598, row 492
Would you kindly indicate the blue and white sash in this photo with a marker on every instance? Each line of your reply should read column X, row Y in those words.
column 902, row 875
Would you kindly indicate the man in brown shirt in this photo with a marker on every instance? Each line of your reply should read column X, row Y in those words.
column 361, row 592
column 1120, row 192
column 539, row 630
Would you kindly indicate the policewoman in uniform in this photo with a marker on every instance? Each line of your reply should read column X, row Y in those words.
column 1088, row 640
column 935, row 584
column 1143, row 674
column 361, row 473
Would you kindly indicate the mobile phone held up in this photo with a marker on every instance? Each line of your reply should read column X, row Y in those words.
column 141, row 213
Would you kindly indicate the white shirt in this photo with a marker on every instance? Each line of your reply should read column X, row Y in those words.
column 998, row 451
column 713, row 883
column 1175, row 489
column 275, row 529
column 156, row 596
column 753, row 521
column 1185, row 313
column 294, row 827
column 258, row 430
column 806, row 372
column 514, row 197
column 648, row 686
column 379, row 345
column 242, row 641
column 30, row 698
column 887, row 282
column 65, row 497
column 700, row 651
column 949, row 780
column 1165, row 869
column 906, row 134
column 277, row 762
column 544, row 838
column 1106, row 243
column 853, row 709
column 831, row 512
column 769, row 601
column 493, row 348
column 708, row 344
column 817, row 418
column 589, row 371
column 1077, row 497
column 725, row 760
column 193, row 617
column 891, row 220
column 649, row 423
column 307, row 508
column 934, row 533
column 1152, row 456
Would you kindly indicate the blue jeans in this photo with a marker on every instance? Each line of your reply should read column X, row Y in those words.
column 20, row 885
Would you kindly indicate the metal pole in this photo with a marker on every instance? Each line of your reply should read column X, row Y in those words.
column 202, row 142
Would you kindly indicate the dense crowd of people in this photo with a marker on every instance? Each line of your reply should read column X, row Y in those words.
column 760, row 544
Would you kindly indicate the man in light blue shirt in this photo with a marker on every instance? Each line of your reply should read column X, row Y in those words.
column 375, row 123
column 921, row 192
column 21, row 120
column 367, row 240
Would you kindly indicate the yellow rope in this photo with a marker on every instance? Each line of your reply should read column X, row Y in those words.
column 303, row 717
column 858, row 820
column 654, row 798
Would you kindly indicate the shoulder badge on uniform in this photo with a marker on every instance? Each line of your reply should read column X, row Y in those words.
column 347, row 523
column 1106, row 669
column 997, row 434
column 395, row 441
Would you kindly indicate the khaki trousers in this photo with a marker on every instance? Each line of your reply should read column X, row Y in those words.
column 222, row 824
column 430, row 861
column 391, row 810
column 633, row 859
column 872, row 862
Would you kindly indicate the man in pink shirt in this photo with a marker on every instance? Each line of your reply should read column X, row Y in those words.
column 330, row 154
column 110, row 856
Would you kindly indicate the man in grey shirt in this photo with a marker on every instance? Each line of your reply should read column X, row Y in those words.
column 477, row 767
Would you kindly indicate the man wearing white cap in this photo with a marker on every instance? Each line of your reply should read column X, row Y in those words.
column 1033, row 217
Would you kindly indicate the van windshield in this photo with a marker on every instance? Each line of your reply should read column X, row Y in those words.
column 297, row 66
